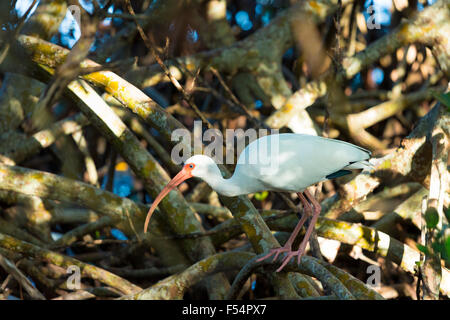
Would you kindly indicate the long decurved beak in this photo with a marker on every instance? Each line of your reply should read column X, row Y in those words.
column 179, row 178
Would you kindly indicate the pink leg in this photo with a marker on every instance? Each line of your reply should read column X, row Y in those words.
column 301, row 249
column 288, row 245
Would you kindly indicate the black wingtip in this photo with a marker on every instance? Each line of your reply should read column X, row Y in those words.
column 338, row 174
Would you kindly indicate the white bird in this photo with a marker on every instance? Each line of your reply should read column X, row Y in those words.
column 286, row 162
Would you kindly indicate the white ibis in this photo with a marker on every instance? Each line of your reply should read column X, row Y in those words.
column 300, row 161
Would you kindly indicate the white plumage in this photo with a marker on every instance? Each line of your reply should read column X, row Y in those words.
column 302, row 160
column 286, row 162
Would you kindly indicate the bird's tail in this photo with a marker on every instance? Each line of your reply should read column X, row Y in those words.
column 364, row 164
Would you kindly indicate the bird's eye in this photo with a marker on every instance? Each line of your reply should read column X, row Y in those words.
column 191, row 166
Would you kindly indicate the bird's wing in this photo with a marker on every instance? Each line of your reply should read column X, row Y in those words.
column 368, row 152
column 298, row 161
column 320, row 155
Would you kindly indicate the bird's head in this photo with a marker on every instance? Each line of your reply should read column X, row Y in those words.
column 196, row 166
column 199, row 166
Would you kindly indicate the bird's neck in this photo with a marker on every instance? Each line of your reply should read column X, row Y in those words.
column 228, row 187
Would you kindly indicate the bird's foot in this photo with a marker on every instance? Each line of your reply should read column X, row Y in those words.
column 289, row 255
column 275, row 252
column 299, row 253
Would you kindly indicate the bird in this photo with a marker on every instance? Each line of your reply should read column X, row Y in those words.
column 291, row 163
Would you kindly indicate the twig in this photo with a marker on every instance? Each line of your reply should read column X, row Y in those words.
column 77, row 295
column 176, row 285
column 372, row 240
column 358, row 122
column 214, row 211
column 68, row 71
column 47, row 185
column 200, row 191
column 428, row 27
column 307, row 265
column 128, row 16
column 70, row 237
column 439, row 184
column 21, row 278
column 232, row 225
column 152, row 272
column 148, row 44
column 11, row 229
column 89, row 163
column 409, row 162
column 111, row 170
column 91, row 271
column 359, row 289
column 133, row 122
column 20, row 23
column 407, row 210
column 44, row 138
column 256, row 122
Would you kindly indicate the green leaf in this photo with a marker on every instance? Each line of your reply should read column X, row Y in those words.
column 447, row 248
column 443, row 98
column 438, row 247
column 261, row 196
column 431, row 218
column 423, row 248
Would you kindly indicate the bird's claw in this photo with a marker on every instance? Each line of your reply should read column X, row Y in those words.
column 299, row 253
column 289, row 255
column 276, row 252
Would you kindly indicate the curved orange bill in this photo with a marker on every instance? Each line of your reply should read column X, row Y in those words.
column 179, row 178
